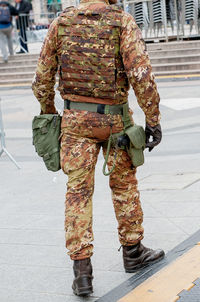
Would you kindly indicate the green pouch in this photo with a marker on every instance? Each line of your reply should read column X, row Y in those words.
column 46, row 133
column 136, row 147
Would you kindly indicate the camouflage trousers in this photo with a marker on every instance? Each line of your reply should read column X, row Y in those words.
column 83, row 135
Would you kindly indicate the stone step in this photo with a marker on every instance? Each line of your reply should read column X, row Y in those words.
column 177, row 73
column 173, row 45
column 17, row 75
column 27, row 80
column 31, row 59
column 155, row 56
column 19, row 63
column 183, row 73
column 22, row 57
column 172, row 52
column 175, row 59
column 17, row 68
column 177, row 66
column 16, row 82
column 175, row 63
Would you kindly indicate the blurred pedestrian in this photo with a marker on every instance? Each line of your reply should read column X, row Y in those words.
column 23, row 8
column 6, row 13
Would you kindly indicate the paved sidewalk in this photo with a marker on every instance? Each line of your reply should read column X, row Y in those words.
column 34, row 48
column 33, row 261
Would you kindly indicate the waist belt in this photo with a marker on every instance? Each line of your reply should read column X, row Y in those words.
column 98, row 108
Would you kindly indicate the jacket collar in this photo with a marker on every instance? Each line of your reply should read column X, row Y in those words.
column 94, row 1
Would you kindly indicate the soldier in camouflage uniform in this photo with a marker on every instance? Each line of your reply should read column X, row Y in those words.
column 98, row 52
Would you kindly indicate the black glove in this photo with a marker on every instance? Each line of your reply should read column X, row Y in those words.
column 156, row 133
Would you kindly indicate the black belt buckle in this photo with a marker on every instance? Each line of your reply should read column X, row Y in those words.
column 67, row 104
column 101, row 108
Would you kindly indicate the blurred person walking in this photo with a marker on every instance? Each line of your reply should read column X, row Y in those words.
column 23, row 8
column 6, row 13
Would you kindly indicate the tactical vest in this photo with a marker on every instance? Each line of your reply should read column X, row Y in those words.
column 91, row 64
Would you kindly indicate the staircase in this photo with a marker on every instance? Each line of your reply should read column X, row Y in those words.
column 19, row 70
column 173, row 59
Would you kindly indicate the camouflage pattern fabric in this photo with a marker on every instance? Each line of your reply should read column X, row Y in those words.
column 135, row 60
column 91, row 64
column 83, row 134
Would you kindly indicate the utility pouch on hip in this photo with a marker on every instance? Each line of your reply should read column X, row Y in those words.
column 136, row 146
column 131, row 139
column 46, row 135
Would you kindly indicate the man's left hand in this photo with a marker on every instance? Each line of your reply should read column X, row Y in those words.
column 156, row 133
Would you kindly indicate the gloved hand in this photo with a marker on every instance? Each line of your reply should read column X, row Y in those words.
column 156, row 133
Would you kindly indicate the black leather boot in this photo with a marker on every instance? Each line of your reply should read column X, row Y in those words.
column 138, row 256
column 82, row 284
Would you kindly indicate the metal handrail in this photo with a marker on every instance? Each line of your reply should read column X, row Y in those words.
column 3, row 141
column 180, row 22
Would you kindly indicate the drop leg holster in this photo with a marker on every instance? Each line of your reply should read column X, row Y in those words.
column 131, row 139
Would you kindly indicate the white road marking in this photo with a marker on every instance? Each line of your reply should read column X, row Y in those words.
column 181, row 103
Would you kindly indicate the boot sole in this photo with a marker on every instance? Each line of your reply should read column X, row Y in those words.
column 141, row 266
column 83, row 291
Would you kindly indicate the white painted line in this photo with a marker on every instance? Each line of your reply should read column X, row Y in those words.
column 181, row 104
column 176, row 181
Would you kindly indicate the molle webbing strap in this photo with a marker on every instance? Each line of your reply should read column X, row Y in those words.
column 126, row 117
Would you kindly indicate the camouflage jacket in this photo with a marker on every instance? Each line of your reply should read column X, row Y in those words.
column 135, row 60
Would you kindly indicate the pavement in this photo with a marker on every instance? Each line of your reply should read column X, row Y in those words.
column 34, row 265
